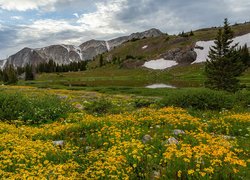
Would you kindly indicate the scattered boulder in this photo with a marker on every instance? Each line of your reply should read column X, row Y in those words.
column 181, row 56
column 79, row 106
column 63, row 96
column 88, row 148
column 199, row 47
column 156, row 175
column 227, row 137
column 172, row 140
column 146, row 138
column 59, row 143
column 158, row 126
column 178, row 132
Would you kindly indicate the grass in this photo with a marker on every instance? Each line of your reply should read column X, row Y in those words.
column 111, row 79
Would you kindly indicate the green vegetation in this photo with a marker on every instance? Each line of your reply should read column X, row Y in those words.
column 225, row 62
column 29, row 74
column 9, row 75
column 136, row 143
column 51, row 66
column 32, row 109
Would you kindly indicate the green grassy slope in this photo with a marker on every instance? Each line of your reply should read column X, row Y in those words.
column 159, row 45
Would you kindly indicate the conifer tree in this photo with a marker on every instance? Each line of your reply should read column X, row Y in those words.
column 101, row 63
column 1, row 75
column 245, row 56
column 225, row 63
column 29, row 74
column 10, row 75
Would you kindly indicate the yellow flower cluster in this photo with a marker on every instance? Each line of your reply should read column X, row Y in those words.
column 111, row 147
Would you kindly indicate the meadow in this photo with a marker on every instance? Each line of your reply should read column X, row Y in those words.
column 102, row 136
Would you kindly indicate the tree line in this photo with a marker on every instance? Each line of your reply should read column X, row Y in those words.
column 9, row 75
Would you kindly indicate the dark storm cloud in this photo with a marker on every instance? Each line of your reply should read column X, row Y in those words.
column 194, row 13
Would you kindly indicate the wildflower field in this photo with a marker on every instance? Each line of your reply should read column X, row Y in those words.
column 126, row 142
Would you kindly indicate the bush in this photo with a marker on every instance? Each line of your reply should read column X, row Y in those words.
column 47, row 108
column 12, row 105
column 243, row 99
column 140, row 103
column 100, row 106
column 35, row 110
column 202, row 99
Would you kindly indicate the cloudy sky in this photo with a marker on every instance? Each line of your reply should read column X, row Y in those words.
column 38, row 23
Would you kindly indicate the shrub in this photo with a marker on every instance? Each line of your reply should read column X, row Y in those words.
column 139, row 103
column 202, row 99
column 46, row 108
column 100, row 106
column 12, row 105
column 34, row 110
column 243, row 99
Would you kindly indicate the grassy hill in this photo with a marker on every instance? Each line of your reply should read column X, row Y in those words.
column 159, row 45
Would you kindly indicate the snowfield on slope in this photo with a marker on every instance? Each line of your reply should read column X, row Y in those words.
column 159, row 64
column 202, row 55
column 156, row 86
column 2, row 63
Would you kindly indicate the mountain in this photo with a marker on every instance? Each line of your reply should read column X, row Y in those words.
column 172, row 50
column 64, row 54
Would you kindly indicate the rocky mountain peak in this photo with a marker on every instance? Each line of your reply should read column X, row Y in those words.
column 64, row 54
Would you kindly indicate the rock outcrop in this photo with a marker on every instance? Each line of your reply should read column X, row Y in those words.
column 135, row 36
column 181, row 56
column 25, row 56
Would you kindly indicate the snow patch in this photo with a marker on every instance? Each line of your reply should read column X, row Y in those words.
column 77, row 49
column 202, row 54
column 155, row 86
column 66, row 47
column 107, row 45
column 2, row 63
column 159, row 64
column 145, row 47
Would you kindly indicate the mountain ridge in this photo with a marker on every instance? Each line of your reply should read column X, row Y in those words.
column 64, row 54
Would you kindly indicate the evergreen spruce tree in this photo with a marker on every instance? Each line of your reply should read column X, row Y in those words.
column 10, row 75
column 191, row 33
column 225, row 63
column 1, row 75
column 29, row 74
column 101, row 63
column 245, row 56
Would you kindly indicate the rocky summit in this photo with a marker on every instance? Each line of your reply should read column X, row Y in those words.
column 64, row 54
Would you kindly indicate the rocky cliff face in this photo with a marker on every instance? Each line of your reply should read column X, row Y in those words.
column 23, row 57
column 92, row 48
column 139, row 35
column 2, row 63
column 64, row 54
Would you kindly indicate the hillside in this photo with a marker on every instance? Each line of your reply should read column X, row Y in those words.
column 167, row 47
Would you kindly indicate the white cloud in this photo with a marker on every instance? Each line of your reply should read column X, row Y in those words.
column 16, row 17
column 24, row 5
column 238, row 6
column 102, row 20
column 45, row 28
column 76, row 15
